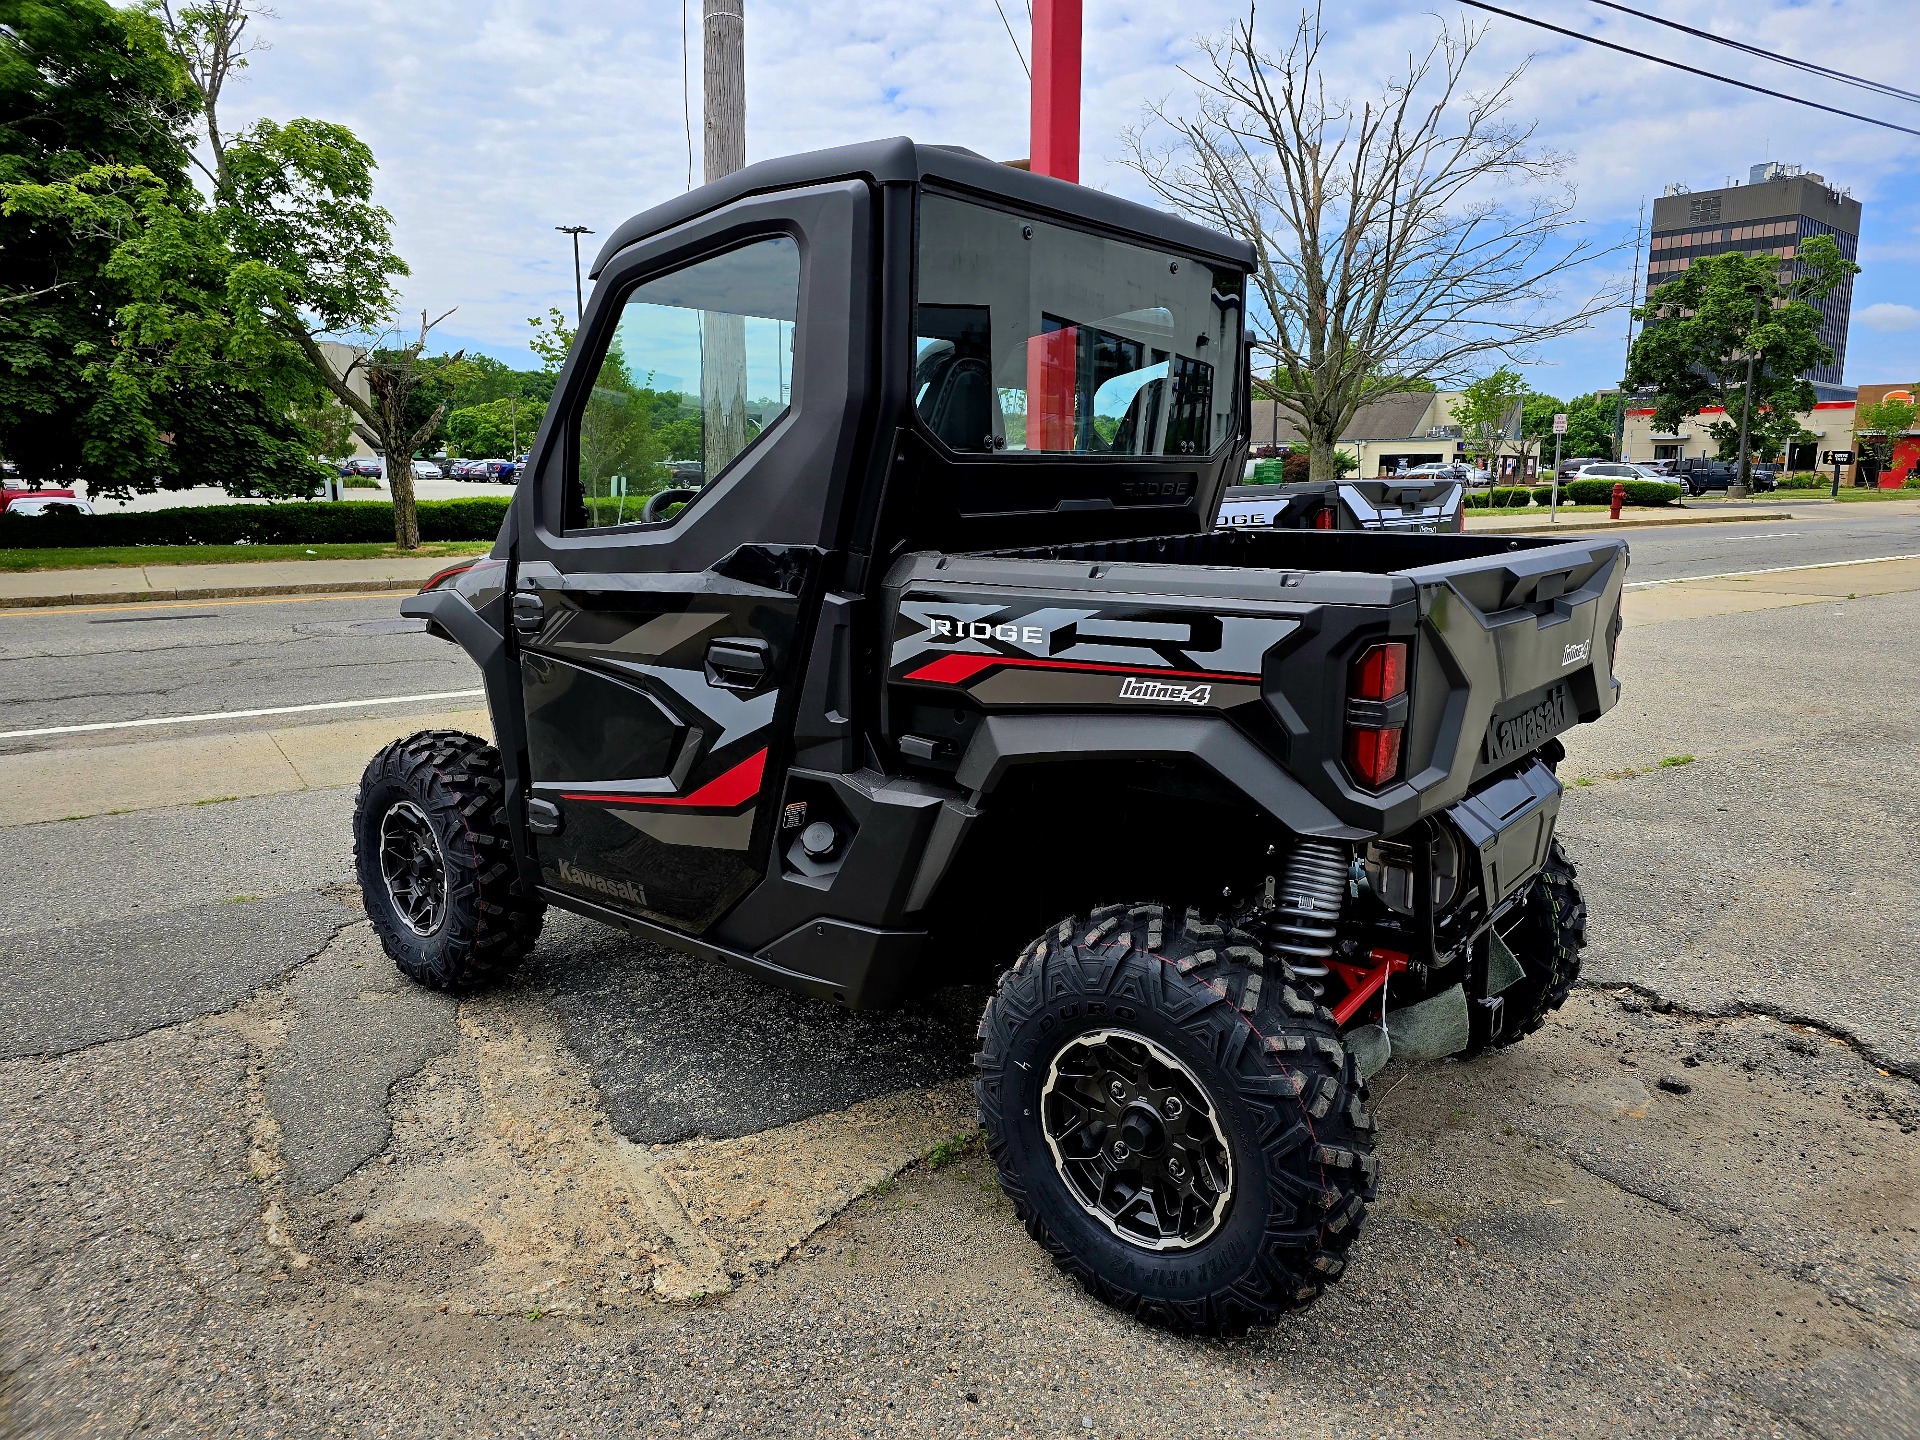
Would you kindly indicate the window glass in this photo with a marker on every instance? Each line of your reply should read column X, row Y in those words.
column 1037, row 337
column 700, row 366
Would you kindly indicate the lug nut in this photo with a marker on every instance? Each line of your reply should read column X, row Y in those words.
column 1176, row 1167
column 1121, row 1150
column 1172, row 1108
column 1117, row 1089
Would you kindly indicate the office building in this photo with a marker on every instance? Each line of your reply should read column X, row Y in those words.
column 1778, row 207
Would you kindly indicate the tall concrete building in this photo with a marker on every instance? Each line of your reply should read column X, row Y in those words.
column 1778, row 207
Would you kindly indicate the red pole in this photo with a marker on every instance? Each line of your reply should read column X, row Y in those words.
column 1056, row 89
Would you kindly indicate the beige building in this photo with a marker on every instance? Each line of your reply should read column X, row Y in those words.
column 1830, row 420
column 1390, row 435
column 341, row 358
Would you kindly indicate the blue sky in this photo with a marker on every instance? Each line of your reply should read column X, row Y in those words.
column 495, row 120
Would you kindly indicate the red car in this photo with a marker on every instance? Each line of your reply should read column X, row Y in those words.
column 9, row 494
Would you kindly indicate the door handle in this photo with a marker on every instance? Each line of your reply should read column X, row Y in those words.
column 529, row 614
column 738, row 664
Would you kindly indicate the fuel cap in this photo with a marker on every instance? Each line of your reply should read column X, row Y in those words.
column 819, row 839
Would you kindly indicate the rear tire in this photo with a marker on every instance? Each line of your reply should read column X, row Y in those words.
column 1547, row 940
column 1274, row 1106
column 435, row 861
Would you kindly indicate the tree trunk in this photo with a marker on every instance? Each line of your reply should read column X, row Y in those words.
column 406, row 517
column 1320, row 455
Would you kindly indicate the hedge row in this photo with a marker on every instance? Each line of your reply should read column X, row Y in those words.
column 1501, row 497
column 1600, row 492
column 340, row 522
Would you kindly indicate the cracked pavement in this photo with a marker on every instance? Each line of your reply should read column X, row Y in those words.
column 253, row 1185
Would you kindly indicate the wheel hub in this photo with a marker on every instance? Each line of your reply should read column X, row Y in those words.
column 1136, row 1139
column 413, row 868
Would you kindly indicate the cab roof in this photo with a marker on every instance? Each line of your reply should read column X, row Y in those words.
column 900, row 161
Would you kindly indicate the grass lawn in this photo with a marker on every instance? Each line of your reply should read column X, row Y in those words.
column 88, row 557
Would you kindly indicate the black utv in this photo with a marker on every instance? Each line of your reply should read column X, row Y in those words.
column 941, row 672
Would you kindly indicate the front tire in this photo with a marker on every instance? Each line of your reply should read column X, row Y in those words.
column 1176, row 1123
column 435, row 862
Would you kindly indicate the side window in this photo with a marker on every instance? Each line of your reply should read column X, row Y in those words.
column 700, row 365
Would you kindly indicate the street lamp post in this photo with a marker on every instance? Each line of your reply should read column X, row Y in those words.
column 579, row 297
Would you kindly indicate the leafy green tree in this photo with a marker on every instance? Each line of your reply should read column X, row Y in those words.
column 620, row 453
column 1737, row 331
column 1592, row 422
column 1877, row 426
column 552, row 338
column 500, row 427
column 1489, row 414
column 94, row 114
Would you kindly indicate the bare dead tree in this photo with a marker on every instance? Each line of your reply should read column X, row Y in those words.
column 394, row 375
column 210, row 39
column 1402, row 238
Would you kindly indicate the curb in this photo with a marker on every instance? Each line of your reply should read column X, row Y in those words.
column 1601, row 522
column 207, row 592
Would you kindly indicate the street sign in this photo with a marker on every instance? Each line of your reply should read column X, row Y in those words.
column 1559, row 424
column 1836, row 457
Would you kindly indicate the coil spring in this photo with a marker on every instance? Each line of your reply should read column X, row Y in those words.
column 1305, row 918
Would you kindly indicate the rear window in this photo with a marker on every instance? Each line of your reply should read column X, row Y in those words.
column 1036, row 337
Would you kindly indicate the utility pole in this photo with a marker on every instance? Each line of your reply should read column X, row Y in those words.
column 1738, row 489
column 1633, row 298
column 723, row 70
column 1055, row 91
column 723, row 338
column 579, row 296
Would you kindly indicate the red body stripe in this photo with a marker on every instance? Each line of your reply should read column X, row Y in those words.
column 724, row 792
column 957, row 669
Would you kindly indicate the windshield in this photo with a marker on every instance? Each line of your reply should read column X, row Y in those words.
column 1039, row 338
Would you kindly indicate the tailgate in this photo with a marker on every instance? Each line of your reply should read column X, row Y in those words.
column 1514, row 649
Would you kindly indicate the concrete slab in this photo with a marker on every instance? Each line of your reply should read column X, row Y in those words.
column 56, row 784
column 1738, row 595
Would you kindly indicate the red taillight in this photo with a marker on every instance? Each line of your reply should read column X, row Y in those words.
column 1323, row 519
column 1380, row 673
column 1377, row 713
column 446, row 576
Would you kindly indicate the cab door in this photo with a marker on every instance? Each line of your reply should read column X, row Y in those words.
column 684, row 497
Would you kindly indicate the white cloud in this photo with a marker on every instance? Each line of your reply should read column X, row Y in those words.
column 1888, row 318
column 495, row 120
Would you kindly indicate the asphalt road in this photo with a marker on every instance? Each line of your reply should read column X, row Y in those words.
column 93, row 664
column 1817, row 535
column 62, row 667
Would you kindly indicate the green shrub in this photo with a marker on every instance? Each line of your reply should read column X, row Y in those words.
column 1599, row 491
column 1802, row 481
column 1912, row 482
column 360, row 482
column 298, row 523
column 1510, row 497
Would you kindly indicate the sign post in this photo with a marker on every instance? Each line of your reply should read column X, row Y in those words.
column 1559, row 430
column 1837, row 458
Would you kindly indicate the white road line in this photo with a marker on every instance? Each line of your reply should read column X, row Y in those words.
column 240, row 714
column 1773, row 570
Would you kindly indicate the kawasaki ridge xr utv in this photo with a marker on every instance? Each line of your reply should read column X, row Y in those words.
column 942, row 673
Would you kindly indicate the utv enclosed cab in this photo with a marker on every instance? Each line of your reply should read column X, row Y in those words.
column 939, row 647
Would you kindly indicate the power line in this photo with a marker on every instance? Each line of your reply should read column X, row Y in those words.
column 1691, row 70
column 1011, row 36
column 1842, row 76
column 686, row 91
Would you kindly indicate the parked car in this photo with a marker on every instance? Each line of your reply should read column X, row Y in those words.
column 1698, row 477
column 426, row 470
column 1617, row 470
column 1571, row 465
column 11, row 497
column 366, row 465
column 49, row 504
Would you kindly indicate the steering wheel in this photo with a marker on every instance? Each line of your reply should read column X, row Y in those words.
column 657, row 503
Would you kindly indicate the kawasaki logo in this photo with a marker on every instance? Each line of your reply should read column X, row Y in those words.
column 1132, row 689
column 572, row 874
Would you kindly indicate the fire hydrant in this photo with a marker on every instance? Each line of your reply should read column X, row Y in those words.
column 1619, row 497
